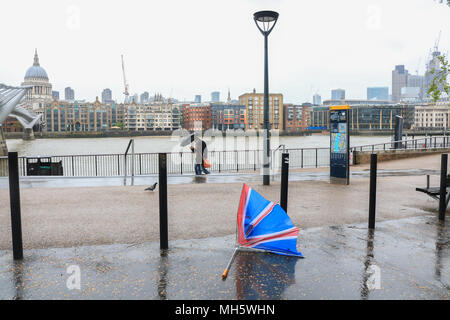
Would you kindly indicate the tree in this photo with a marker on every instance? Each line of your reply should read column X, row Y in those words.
column 439, row 83
column 120, row 124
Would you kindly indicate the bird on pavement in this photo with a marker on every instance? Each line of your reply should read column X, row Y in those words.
column 151, row 188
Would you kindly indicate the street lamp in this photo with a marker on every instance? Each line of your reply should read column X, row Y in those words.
column 265, row 21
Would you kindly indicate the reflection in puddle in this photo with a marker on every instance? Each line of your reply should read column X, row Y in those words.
column 163, row 269
column 18, row 270
column 442, row 240
column 263, row 275
column 366, row 284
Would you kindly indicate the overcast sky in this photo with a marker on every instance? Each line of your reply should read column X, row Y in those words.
column 181, row 48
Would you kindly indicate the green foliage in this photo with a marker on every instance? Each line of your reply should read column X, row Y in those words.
column 120, row 124
column 439, row 83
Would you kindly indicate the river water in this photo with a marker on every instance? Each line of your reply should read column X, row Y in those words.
column 85, row 146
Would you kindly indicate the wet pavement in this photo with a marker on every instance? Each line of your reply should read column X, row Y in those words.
column 60, row 182
column 403, row 259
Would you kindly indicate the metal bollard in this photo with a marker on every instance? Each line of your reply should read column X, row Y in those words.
column 163, row 221
column 14, row 196
column 284, row 180
column 373, row 190
column 443, row 187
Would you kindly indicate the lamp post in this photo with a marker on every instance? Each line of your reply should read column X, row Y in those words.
column 265, row 21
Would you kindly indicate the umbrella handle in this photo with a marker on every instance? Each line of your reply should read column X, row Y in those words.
column 225, row 272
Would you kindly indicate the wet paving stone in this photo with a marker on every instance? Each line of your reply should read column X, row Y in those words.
column 410, row 256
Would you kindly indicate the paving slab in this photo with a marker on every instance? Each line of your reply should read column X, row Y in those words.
column 403, row 259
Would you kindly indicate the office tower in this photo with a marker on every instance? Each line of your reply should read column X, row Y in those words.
column 378, row 93
column 399, row 80
column 145, row 97
column 55, row 95
column 417, row 81
column 198, row 98
column 215, row 96
column 69, row 94
column 338, row 94
column 317, row 99
column 106, row 95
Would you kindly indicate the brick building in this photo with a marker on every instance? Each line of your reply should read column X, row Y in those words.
column 196, row 116
column 296, row 117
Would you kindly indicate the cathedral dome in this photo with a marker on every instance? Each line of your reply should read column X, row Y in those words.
column 36, row 71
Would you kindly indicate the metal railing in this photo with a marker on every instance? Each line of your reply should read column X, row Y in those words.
column 407, row 144
column 177, row 162
column 104, row 165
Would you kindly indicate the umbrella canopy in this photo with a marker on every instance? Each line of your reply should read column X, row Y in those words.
column 264, row 225
column 187, row 140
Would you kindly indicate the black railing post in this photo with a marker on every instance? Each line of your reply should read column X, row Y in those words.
column 302, row 160
column 181, row 157
column 316, row 157
column 443, row 187
column 373, row 190
column 163, row 221
column 14, row 196
column 284, row 180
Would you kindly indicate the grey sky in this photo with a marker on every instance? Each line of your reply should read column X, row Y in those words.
column 182, row 48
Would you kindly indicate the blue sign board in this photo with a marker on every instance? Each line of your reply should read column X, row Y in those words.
column 339, row 144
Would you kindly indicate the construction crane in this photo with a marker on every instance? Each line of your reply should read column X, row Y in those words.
column 436, row 45
column 126, row 92
column 418, row 66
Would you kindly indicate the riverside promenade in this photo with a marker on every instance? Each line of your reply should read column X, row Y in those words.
column 112, row 234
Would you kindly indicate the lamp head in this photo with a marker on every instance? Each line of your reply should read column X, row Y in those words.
column 265, row 21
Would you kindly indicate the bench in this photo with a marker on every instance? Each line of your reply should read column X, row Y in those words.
column 435, row 192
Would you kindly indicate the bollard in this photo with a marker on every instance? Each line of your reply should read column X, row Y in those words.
column 163, row 221
column 443, row 187
column 373, row 190
column 14, row 196
column 284, row 180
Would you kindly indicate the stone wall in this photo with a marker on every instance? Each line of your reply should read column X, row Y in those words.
column 386, row 155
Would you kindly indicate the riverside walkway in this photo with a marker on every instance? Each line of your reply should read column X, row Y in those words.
column 112, row 233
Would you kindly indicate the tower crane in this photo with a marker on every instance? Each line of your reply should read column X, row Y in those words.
column 126, row 92
column 436, row 45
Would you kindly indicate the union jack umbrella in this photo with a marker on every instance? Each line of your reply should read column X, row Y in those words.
column 264, row 225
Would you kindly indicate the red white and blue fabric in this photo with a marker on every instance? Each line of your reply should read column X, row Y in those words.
column 262, row 224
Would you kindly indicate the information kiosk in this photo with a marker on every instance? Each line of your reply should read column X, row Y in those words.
column 339, row 145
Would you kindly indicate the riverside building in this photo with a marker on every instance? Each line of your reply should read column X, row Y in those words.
column 196, row 116
column 156, row 117
column 254, row 110
column 367, row 117
column 432, row 116
column 227, row 117
column 65, row 116
column 296, row 117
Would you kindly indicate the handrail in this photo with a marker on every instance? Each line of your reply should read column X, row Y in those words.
column 131, row 143
column 281, row 145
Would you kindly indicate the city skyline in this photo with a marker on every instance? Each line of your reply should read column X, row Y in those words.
column 157, row 65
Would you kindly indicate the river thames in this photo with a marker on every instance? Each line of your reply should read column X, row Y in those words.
column 86, row 146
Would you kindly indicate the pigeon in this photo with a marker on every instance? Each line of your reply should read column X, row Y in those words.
column 151, row 188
